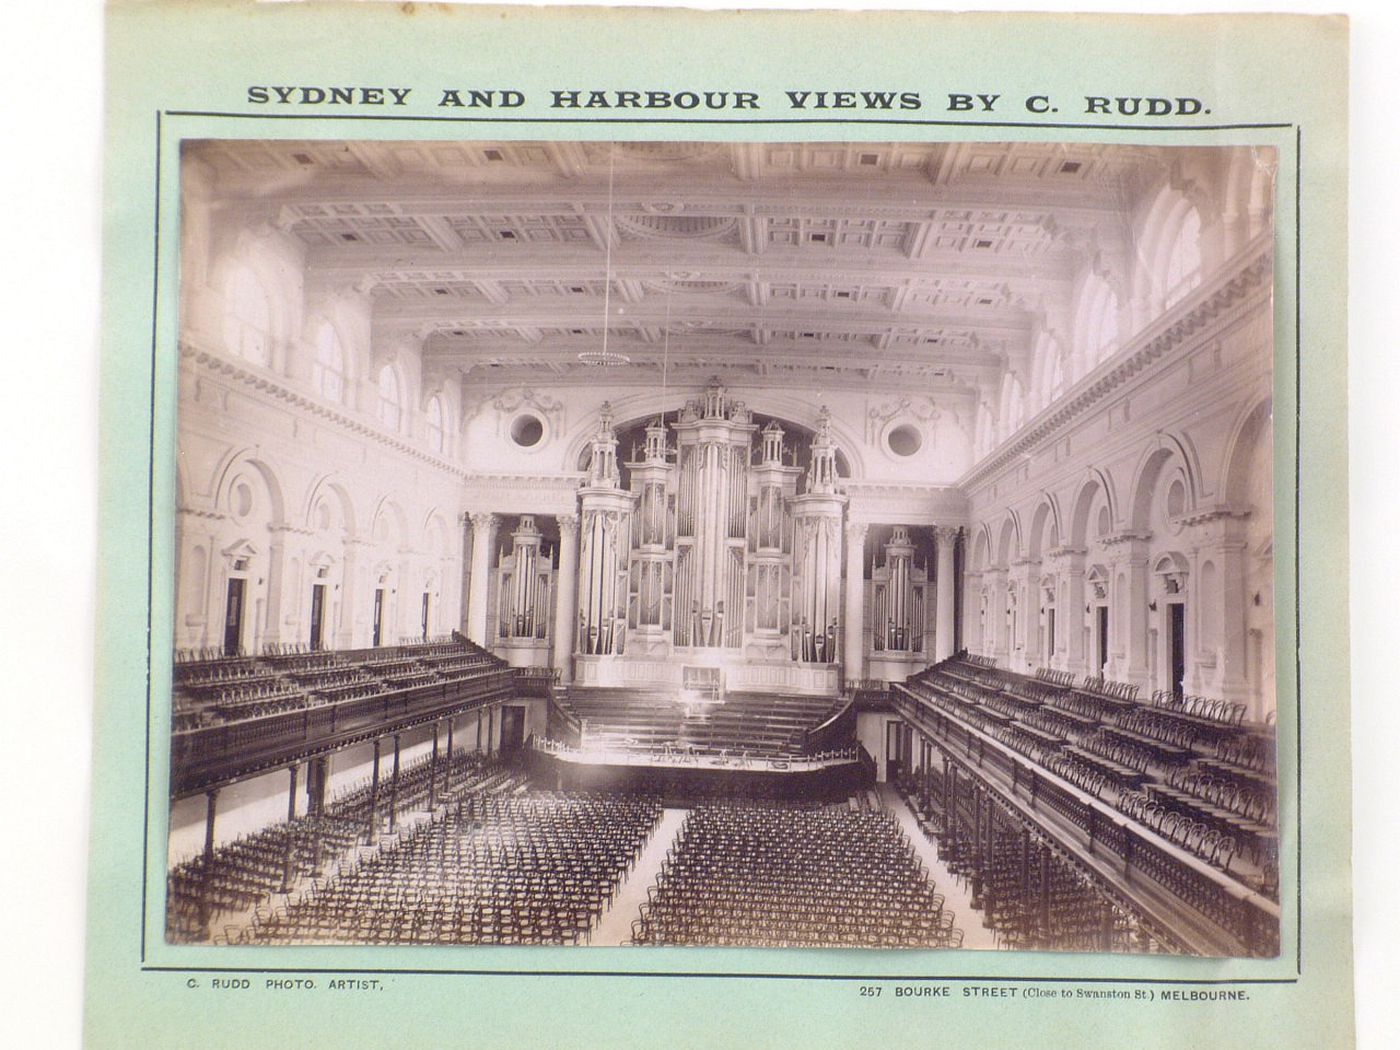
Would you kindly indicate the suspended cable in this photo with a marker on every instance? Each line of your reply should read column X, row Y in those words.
column 607, row 252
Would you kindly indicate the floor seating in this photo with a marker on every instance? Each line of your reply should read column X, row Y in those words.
column 525, row 869
column 772, row 875
column 247, row 871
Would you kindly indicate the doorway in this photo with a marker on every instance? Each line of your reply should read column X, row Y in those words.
column 377, row 624
column 512, row 728
column 318, row 612
column 1102, row 617
column 233, row 615
column 1178, row 646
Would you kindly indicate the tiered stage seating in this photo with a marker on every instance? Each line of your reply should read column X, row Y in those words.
column 772, row 875
column 751, row 723
column 533, row 869
column 211, row 689
column 1175, row 786
column 1159, row 761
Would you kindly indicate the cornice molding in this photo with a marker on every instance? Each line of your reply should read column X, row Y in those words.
column 1245, row 276
column 278, row 388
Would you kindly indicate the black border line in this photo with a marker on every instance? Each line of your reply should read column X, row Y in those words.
column 150, row 536
column 1298, row 509
column 906, row 121
column 726, row 975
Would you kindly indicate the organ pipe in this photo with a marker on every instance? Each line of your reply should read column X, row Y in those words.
column 715, row 541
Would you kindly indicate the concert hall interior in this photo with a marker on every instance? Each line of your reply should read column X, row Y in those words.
column 702, row 543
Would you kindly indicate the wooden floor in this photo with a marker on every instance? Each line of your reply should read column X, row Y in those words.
column 615, row 926
column 957, row 895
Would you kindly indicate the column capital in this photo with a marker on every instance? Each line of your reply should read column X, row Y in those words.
column 484, row 519
column 856, row 531
column 946, row 534
column 568, row 523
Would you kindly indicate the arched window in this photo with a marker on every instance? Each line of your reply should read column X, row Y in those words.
column 1184, row 260
column 328, row 371
column 390, row 404
column 1096, row 323
column 248, row 318
column 434, row 413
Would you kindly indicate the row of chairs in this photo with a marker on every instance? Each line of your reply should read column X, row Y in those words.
column 1222, row 711
column 489, row 869
column 1211, row 844
column 294, row 677
column 770, row 875
column 1030, row 897
column 243, row 873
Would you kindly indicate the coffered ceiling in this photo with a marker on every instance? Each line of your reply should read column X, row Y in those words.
column 877, row 264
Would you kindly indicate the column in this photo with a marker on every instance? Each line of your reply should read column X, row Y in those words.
column 287, row 864
column 945, row 537
column 276, row 570
column 973, row 641
column 566, row 596
column 996, row 644
column 483, row 543
column 1231, row 682
column 394, row 788
column 854, row 642
column 447, row 773
column 1194, row 679
column 464, row 574
column 374, row 795
column 1072, row 617
column 344, row 629
column 1136, row 669
column 211, row 800
column 433, row 771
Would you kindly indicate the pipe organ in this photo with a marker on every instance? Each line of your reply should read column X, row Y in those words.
column 817, row 556
column 721, row 538
column 713, row 446
column 605, row 538
column 719, row 542
column 898, row 598
column 526, row 585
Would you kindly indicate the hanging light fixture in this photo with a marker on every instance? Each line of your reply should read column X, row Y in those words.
column 606, row 358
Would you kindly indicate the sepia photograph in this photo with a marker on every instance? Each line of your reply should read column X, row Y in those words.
column 757, row 544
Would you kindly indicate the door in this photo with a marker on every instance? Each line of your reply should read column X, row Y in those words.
column 512, row 728
column 1102, row 612
column 318, row 612
column 377, row 637
column 233, row 615
column 1178, row 644
column 894, row 740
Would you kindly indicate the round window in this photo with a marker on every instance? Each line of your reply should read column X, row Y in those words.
column 904, row 440
column 527, row 431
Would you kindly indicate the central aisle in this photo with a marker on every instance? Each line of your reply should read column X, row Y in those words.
column 956, row 896
column 615, row 926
